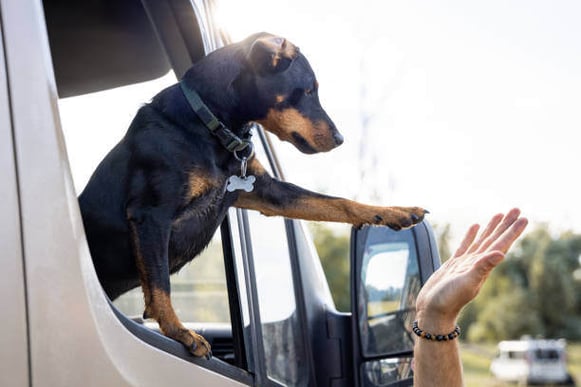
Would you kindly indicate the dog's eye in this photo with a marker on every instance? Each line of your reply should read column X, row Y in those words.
column 308, row 92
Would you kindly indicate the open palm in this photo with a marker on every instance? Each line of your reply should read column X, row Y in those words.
column 460, row 278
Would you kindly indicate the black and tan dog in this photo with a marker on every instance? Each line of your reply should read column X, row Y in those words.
column 157, row 198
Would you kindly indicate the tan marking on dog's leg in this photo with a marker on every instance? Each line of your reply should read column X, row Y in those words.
column 143, row 278
column 170, row 325
column 336, row 210
column 255, row 167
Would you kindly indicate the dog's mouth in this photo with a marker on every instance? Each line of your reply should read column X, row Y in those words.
column 302, row 144
column 305, row 147
column 306, row 135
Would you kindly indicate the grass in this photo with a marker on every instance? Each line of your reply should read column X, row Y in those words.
column 375, row 308
column 476, row 362
column 574, row 361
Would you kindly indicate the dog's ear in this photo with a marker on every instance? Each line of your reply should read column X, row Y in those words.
column 272, row 54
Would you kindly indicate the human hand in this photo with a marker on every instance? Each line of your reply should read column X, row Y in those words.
column 460, row 278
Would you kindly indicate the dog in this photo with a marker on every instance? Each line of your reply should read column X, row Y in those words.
column 156, row 199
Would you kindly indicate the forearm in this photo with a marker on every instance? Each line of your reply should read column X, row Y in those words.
column 449, row 289
column 437, row 363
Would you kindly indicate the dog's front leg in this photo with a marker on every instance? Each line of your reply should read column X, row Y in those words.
column 150, row 232
column 274, row 197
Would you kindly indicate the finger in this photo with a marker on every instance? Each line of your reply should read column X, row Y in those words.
column 467, row 241
column 487, row 262
column 504, row 225
column 505, row 241
column 494, row 221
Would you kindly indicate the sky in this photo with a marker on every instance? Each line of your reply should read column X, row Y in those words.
column 472, row 108
column 464, row 108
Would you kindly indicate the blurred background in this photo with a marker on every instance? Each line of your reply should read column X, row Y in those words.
column 464, row 108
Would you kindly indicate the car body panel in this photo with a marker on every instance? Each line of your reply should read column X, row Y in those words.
column 13, row 363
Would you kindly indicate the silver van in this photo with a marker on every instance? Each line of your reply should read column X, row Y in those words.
column 532, row 361
column 263, row 301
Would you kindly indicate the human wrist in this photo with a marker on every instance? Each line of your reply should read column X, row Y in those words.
column 435, row 322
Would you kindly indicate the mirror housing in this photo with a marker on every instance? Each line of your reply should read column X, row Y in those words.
column 388, row 269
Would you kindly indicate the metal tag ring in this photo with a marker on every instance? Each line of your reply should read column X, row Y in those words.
column 250, row 146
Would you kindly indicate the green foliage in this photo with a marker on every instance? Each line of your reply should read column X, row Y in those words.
column 504, row 318
column 333, row 249
column 534, row 292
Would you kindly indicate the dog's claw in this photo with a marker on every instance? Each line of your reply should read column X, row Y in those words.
column 199, row 347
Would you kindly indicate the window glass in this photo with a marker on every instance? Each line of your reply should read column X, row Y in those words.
column 282, row 338
column 386, row 372
column 390, row 282
column 281, row 333
column 93, row 123
column 546, row 354
column 516, row 354
column 198, row 290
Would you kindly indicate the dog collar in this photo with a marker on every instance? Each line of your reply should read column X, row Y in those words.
column 226, row 137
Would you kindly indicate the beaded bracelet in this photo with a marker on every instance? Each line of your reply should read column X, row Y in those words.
column 430, row 336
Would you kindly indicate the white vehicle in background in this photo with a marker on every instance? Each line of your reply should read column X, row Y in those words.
column 532, row 361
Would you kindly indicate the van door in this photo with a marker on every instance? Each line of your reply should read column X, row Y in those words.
column 13, row 363
column 389, row 269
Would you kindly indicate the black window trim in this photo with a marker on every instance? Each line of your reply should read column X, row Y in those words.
column 233, row 288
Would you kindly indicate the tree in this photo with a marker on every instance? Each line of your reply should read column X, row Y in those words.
column 333, row 249
column 532, row 292
column 507, row 316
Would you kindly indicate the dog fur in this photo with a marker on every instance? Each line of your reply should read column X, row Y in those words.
column 157, row 198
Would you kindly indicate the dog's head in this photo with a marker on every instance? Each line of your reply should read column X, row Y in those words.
column 278, row 89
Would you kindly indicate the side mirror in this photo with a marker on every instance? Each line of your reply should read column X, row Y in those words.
column 389, row 269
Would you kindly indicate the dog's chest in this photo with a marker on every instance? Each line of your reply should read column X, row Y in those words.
column 207, row 202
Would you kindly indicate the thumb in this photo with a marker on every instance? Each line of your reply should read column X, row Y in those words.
column 489, row 261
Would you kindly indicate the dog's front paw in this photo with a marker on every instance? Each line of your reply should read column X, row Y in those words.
column 195, row 343
column 399, row 218
column 200, row 347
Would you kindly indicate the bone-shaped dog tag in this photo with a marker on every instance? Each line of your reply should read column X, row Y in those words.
column 245, row 183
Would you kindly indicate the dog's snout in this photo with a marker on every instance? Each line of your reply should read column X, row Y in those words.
column 338, row 137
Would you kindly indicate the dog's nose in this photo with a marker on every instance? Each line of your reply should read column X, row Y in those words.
column 338, row 138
